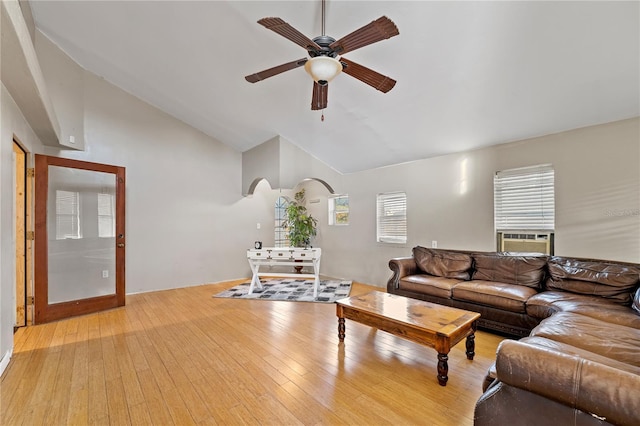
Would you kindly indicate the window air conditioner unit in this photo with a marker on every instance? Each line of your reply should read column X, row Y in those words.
column 525, row 241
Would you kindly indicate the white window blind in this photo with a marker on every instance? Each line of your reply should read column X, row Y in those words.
column 524, row 198
column 67, row 215
column 392, row 218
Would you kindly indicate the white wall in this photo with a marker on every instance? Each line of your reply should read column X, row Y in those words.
column 186, row 220
column 597, row 187
column 12, row 123
column 450, row 200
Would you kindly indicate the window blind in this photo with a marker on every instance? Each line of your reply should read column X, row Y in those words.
column 524, row 198
column 392, row 217
column 67, row 215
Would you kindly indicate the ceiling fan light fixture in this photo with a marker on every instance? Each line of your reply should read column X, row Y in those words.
column 323, row 69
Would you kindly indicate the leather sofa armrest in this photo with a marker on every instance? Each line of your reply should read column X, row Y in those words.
column 606, row 392
column 401, row 267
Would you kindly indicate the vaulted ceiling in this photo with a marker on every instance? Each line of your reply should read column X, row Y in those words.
column 470, row 74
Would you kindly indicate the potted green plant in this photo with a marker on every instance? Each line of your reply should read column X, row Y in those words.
column 300, row 224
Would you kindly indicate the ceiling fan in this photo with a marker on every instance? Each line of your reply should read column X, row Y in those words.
column 324, row 62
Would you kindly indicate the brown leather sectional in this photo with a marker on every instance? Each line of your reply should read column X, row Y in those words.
column 580, row 360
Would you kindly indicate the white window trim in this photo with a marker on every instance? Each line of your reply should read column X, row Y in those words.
column 281, row 234
column 332, row 210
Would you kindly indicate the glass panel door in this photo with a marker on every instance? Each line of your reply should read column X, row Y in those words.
column 79, row 237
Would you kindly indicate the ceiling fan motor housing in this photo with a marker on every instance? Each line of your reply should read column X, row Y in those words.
column 324, row 42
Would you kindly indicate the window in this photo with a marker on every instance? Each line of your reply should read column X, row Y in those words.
column 106, row 216
column 392, row 218
column 281, row 234
column 339, row 210
column 524, row 198
column 67, row 215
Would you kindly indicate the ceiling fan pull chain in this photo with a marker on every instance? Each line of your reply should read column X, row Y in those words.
column 322, row 116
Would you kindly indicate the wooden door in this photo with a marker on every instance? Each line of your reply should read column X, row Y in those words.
column 20, row 207
column 79, row 237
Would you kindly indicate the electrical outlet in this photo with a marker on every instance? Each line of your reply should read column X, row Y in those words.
column 105, row 274
column 434, row 244
column 258, row 225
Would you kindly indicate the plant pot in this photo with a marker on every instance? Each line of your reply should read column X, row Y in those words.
column 296, row 268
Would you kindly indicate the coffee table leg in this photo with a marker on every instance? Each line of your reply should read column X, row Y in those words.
column 341, row 329
column 443, row 369
column 471, row 343
column 471, row 346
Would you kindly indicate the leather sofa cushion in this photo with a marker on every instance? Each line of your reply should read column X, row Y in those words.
column 498, row 295
column 611, row 281
column 593, row 335
column 442, row 263
column 511, row 269
column 428, row 284
column 572, row 350
column 545, row 304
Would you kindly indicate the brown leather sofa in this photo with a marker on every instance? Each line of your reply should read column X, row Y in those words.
column 580, row 361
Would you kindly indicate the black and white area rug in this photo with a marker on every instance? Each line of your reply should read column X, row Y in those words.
column 291, row 290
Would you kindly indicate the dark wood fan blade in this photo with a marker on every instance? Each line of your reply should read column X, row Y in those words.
column 319, row 97
column 254, row 78
column 380, row 29
column 368, row 76
column 287, row 31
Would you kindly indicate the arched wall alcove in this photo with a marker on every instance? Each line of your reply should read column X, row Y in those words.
column 284, row 166
column 256, row 181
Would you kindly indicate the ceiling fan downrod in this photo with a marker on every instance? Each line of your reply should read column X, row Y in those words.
column 322, row 29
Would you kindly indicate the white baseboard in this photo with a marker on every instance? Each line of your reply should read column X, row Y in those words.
column 4, row 362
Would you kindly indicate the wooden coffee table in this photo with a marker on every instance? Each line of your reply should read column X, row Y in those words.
column 430, row 324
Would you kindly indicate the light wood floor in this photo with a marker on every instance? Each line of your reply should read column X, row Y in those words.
column 183, row 357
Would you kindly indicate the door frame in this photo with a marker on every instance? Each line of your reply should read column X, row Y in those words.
column 45, row 312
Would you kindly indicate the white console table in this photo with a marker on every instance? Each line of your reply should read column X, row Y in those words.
column 284, row 256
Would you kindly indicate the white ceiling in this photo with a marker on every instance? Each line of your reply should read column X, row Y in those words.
column 470, row 74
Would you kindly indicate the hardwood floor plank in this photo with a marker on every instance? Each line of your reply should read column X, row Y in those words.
column 181, row 357
column 117, row 402
column 59, row 398
column 177, row 408
column 98, row 407
column 140, row 414
column 158, row 410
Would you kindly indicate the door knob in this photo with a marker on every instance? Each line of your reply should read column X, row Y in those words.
column 120, row 245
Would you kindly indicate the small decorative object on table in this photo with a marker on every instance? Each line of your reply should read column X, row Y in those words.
column 258, row 245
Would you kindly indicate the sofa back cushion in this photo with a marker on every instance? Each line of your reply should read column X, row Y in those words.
column 598, row 278
column 510, row 269
column 443, row 263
